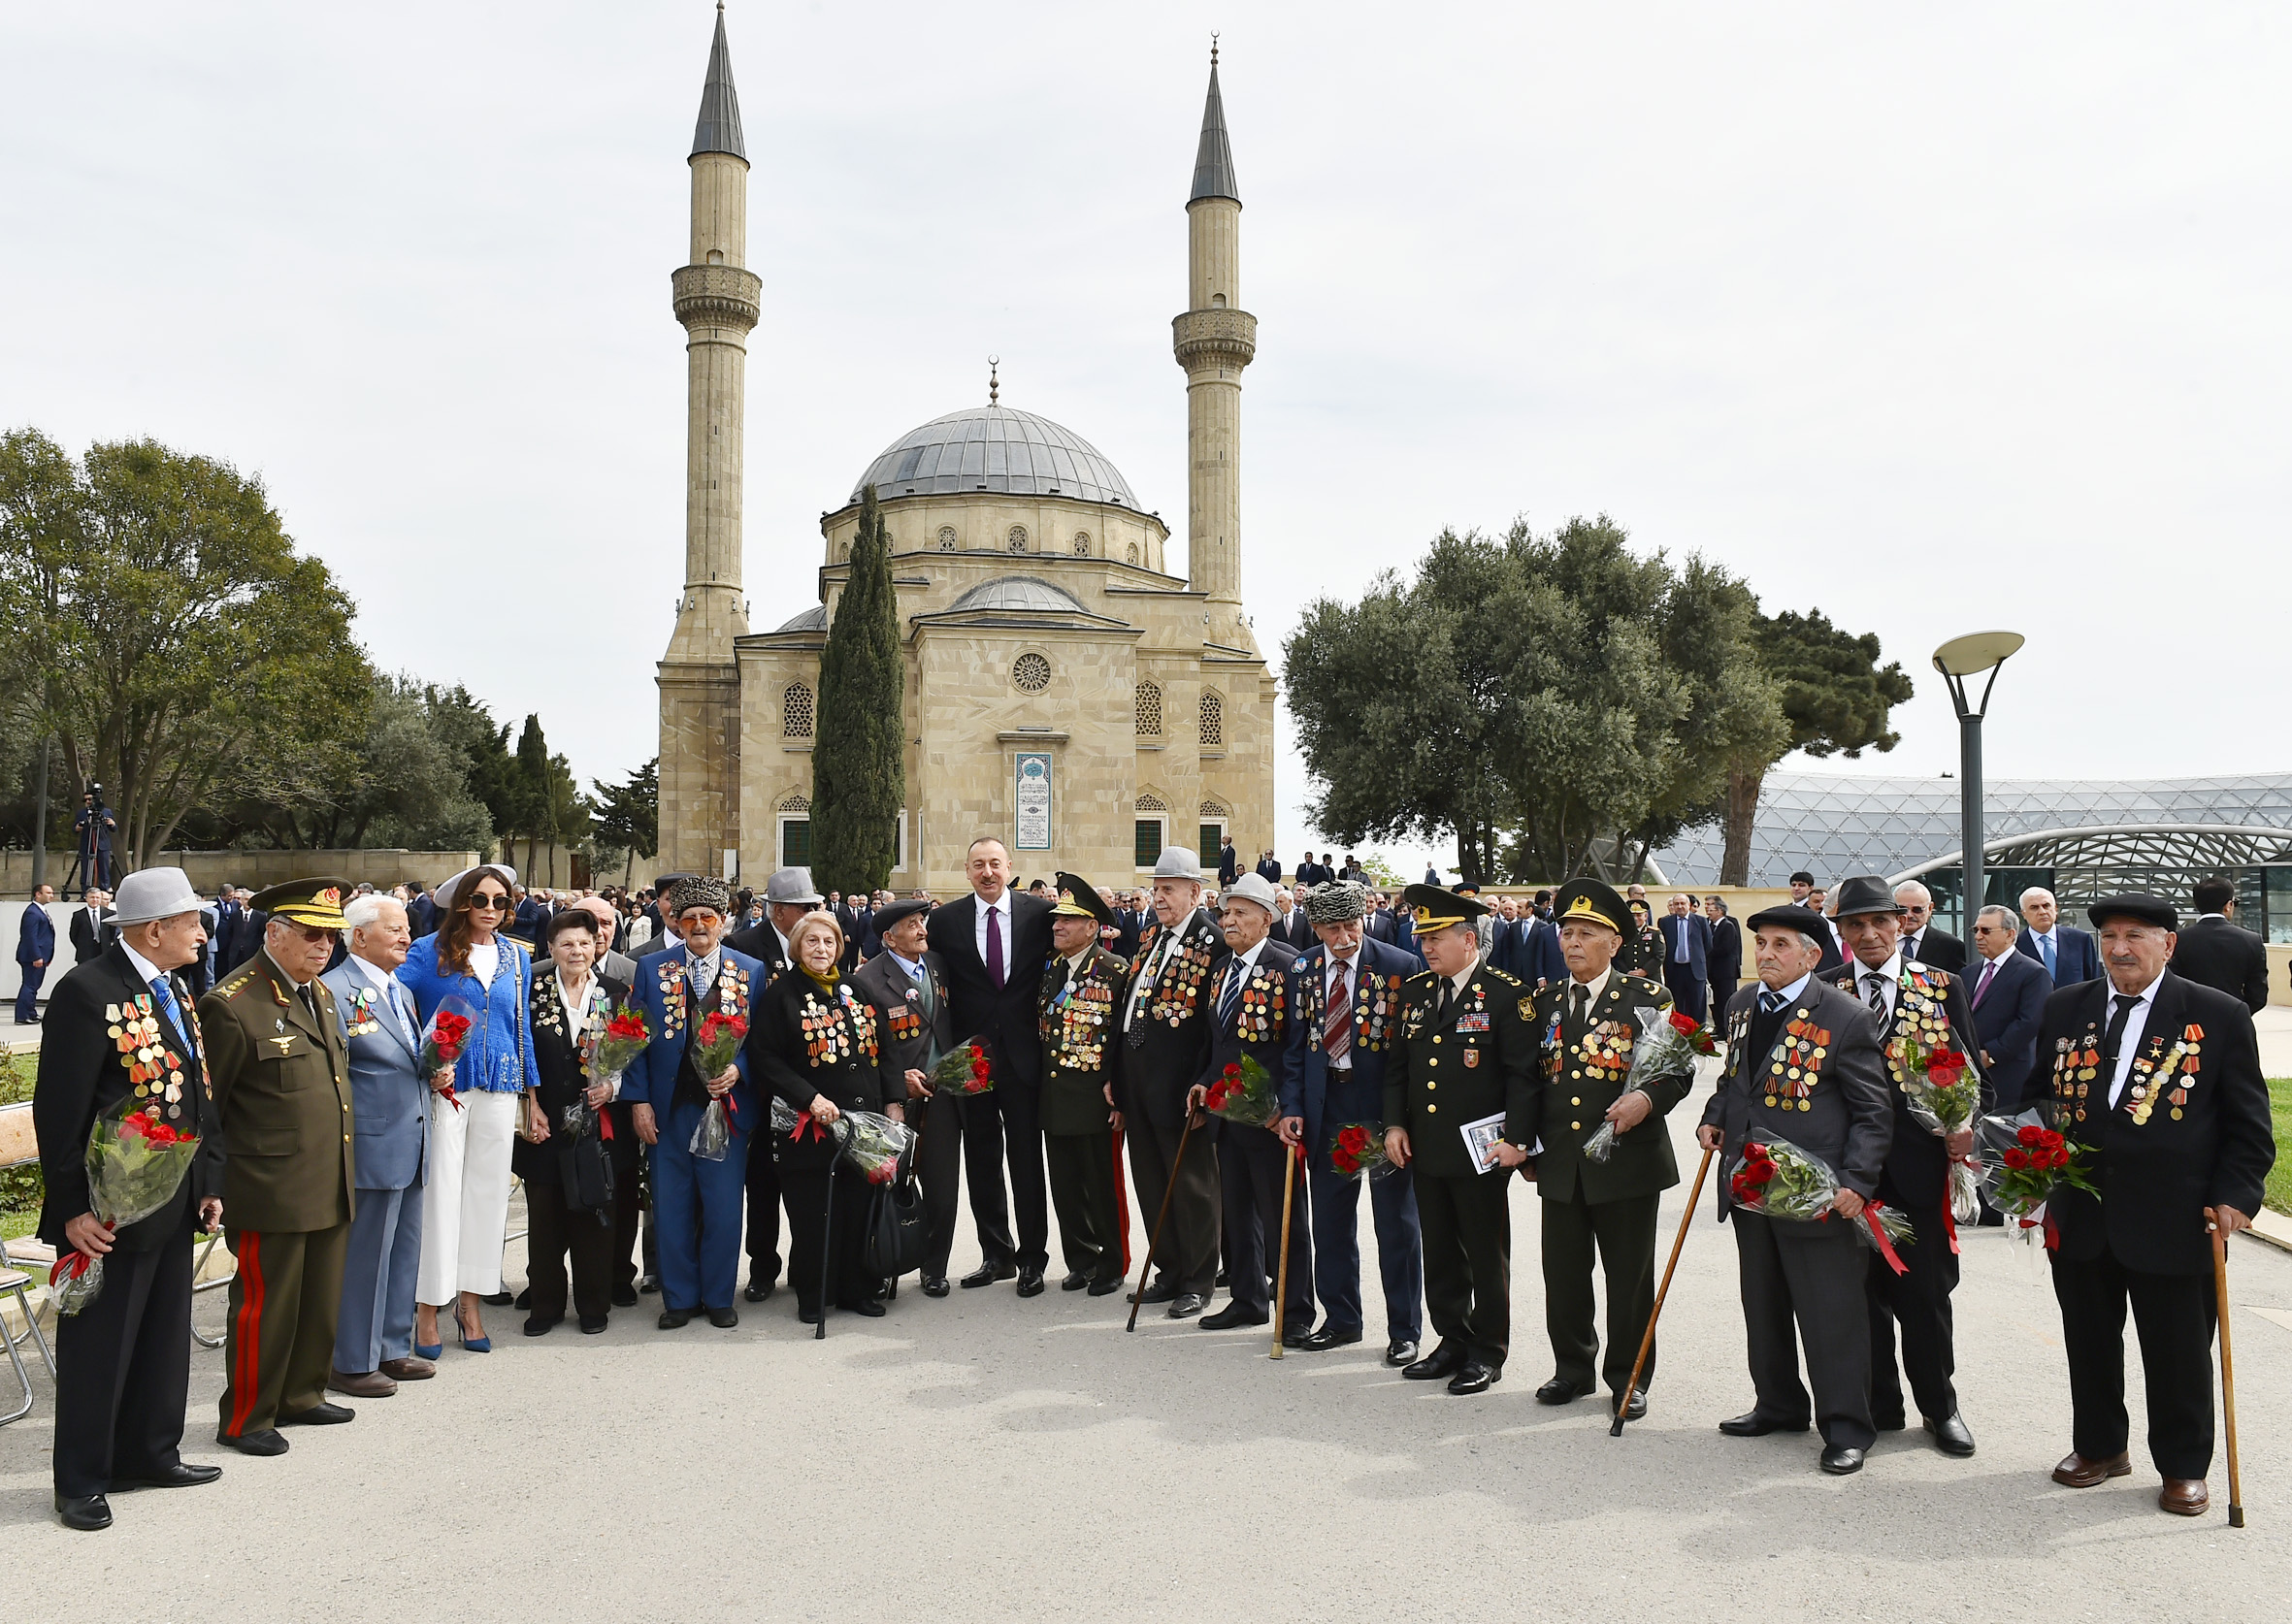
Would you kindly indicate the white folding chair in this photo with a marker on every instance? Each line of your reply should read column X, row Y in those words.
column 19, row 1143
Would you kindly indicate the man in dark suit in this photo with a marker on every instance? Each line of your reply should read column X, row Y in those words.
column 1166, row 1042
column 1923, row 939
column 421, row 913
column 243, row 937
column 123, row 1366
column 994, row 943
column 1229, row 864
column 1910, row 1002
column 2068, row 955
column 1726, row 952
column 1838, row 1108
column 2009, row 998
column 1269, row 866
column 2159, row 1080
column 1687, row 955
column 788, row 896
column 92, row 927
column 1291, row 927
column 1805, row 894
column 35, row 952
column 2217, row 953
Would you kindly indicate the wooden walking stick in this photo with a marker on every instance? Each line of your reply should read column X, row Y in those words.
column 1648, row 1342
column 1290, row 1166
column 1153, row 1241
column 2228, row 1379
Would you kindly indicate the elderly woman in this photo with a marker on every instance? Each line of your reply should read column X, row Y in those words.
column 567, row 1210
column 814, row 1046
column 466, row 1209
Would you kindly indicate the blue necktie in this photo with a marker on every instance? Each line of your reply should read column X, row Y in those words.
column 398, row 1008
column 2046, row 945
column 165, row 997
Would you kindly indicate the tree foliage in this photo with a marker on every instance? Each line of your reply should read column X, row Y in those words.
column 628, row 815
column 859, row 773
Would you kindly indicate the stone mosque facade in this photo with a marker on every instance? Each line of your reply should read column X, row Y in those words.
column 1065, row 692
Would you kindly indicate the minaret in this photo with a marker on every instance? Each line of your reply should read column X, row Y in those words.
column 1216, row 337
column 716, row 298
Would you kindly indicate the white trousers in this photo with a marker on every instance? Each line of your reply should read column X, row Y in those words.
column 466, row 1207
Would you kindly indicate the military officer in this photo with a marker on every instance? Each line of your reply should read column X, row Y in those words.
column 1591, row 1026
column 281, row 1070
column 1082, row 1133
column 1462, row 1108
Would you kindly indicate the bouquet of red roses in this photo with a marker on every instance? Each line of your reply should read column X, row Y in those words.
column 2033, row 1161
column 444, row 1040
column 963, row 1070
column 874, row 1144
column 1944, row 1090
column 715, row 1042
column 1244, row 1094
column 608, row 1052
column 1665, row 1047
column 1776, row 1179
column 1358, row 1152
column 135, row 1164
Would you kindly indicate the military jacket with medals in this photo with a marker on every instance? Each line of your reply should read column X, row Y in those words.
column 1585, row 1065
column 1165, row 1019
column 811, row 1041
column 1642, row 952
column 1075, row 1015
column 283, row 1089
column 1932, row 1011
column 1480, row 1061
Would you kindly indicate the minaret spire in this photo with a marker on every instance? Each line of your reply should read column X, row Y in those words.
column 719, row 126
column 1213, row 159
column 1215, row 339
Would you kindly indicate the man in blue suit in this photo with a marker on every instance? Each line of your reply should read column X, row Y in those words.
column 35, row 950
column 2069, row 954
column 421, row 914
column 1333, row 1075
column 1529, row 946
column 2008, row 996
column 390, row 1104
column 1687, row 957
column 696, row 1202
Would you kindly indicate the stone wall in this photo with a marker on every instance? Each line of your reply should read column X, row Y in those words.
column 207, row 870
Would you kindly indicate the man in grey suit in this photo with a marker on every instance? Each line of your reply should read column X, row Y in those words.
column 390, row 1105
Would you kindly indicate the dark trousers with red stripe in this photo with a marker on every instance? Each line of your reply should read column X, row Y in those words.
column 123, row 1370
column 284, row 1301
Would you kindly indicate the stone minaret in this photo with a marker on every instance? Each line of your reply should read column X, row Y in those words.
column 716, row 299
column 1216, row 337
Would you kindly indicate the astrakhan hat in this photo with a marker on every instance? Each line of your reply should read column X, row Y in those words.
column 699, row 892
column 1336, row 903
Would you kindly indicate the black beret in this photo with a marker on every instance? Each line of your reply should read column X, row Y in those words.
column 2140, row 905
column 1790, row 916
column 892, row 913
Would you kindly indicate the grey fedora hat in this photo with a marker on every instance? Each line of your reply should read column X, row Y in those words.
column 1178, row 863
column 150, row 893
column 792, row 886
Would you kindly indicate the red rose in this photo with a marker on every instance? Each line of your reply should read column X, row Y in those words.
column 1683, row 1022
column 2016, row 1160
column 2031, row 1135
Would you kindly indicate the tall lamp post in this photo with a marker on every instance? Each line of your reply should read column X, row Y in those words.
column 1958, row 660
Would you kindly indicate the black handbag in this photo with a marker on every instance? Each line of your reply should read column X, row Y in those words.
column 588, row 1167
column 898, row 1230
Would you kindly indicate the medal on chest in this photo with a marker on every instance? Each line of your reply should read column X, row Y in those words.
column 1797, row 1065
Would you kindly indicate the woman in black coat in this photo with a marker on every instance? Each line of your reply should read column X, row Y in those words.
column 813, row 1045
column 568, row 1002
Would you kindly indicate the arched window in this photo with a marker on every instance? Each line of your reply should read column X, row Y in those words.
column 1149, row 708
column 1018, row 538
column 946, row 538
column 1213, row 717
column 1150, row 830
column 1214, row 809
column 1133, row 552
column 794, row 818
column 1082, row 543
column 795, row 711
column 1149, row 801
column 795, row 804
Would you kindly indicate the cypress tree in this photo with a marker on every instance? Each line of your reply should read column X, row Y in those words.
column 859, row 766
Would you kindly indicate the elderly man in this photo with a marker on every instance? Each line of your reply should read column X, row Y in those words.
column 390, row 1110
column 282, row 1074
column 1922, row 938
column 1082, row 1133
column 2008, row 1000
column 788, row 896
column 1837, row 1107
column 1911, row 1003
column 1250, row 1022
column 1166, row 1042
column 1686, row 954
column 124, row 1361
column 2159, row 1080
column 2067, row 954
column 906, row 987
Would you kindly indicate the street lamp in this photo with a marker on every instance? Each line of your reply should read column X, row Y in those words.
column 1958, row 660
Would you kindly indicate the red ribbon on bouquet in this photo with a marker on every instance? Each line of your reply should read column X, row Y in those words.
column 808, row 1120
column 1878, row 1234
column 2053, row 1230
column 74, row 1262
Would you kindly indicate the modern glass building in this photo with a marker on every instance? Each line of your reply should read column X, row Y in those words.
column 2080, row 838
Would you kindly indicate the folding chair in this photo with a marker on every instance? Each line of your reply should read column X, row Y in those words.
column 19, row 1143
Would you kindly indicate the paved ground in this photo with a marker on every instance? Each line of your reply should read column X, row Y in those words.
column 984, row 1459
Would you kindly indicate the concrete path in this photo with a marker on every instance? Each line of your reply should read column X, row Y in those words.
column 982, row 1458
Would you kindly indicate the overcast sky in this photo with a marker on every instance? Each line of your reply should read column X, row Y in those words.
column 1936, row 318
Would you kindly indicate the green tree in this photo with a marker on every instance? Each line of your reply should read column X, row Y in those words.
column 1837, row 699
column 531, row 794
column 859, row 775
column 628, row 815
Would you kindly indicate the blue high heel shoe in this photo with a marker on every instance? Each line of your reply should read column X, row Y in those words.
column 481, row 1345
column 428, row 1350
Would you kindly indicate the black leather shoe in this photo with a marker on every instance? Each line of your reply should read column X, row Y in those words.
column 1161, row 1290
column 1398, row 1354
column 497, row 1299
column 253, row 1442
column 675, row 1319
column 1105, row 1287
column 808, row 1315
column 723, row 1318
column 650, row 1285
column 757, row 1290
column 624, row 1296
column 1951, row 1435
column 1443, row 1360
column 1223, row 1283
column 87, row 1512
column 1840, row 1461
column 937, row 1287
column 1187, row 1304
column 987, row 1274
column 523, row 1299
column 1474, row 1377
column 592, row 1327
column 865, row 1308
column 537, row 1326
column 1327, row 1338
column 1074, row 1280
column 1636, row 1410
column 1556, row 1391
column 181, row 1474
column 1233, row 1316
column 1752, row 1424
column 319, row 1415
column 1030, row 1283
column 1294, row 1333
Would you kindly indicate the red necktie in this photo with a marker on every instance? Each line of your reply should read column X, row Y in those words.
column 1337, row 1031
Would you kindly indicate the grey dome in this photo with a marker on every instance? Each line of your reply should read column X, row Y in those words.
column 994, row 448
column 1023, row 594
column 813, row 619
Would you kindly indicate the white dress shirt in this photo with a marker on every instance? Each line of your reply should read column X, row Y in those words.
column 1891, row 969
column 1149, row 973
column 2129, row 1042
column 389, row 992
column 1000, row 905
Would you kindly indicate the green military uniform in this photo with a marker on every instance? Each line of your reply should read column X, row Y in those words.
column 282, row 1072
column 1642, row 951
column 1472, row 1064
column 1587, row 1205
column 1074, row 1013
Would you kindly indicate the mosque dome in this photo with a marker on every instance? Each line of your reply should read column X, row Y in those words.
column 994, row 448
column 1017, row 594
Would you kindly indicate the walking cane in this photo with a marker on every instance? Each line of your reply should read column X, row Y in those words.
column 828, row 1231
column 1648, row 1342
column 1153, row 1241
column 1290, row 1166
column 2228, row 1378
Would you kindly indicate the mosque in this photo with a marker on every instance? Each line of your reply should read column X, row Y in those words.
column 1066, row 692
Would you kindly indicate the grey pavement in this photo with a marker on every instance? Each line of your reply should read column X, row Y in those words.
column 986, row 1458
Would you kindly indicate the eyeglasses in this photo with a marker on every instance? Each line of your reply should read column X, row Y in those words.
column 492, row 901
column 313, row 934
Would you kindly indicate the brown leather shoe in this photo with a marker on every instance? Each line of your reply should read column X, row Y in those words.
column 365, row 1383
column 2186, row 1497
column 408, row 1368
column 2076, row 1472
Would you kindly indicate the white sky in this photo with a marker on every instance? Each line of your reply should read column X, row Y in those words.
column 1936, row 317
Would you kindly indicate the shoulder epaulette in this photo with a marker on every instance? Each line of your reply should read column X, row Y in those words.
column 1426, row 976
column 232, row 988
column 1504, row 976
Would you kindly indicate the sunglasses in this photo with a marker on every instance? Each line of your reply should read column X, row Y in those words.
column 492, row 901
column 313, row 934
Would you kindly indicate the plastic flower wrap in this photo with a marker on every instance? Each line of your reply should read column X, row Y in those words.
column 963, row 1070
column 2032, row 1161
column 1244, row 1094
column 1666, row 1048
column 716, row 1041
column 1358, row 1152
column 608, row 1052
column 445, row 1039
column 1943, row 1091
column 1778, row 1180
column 135, row 1164
column 874, row 1144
